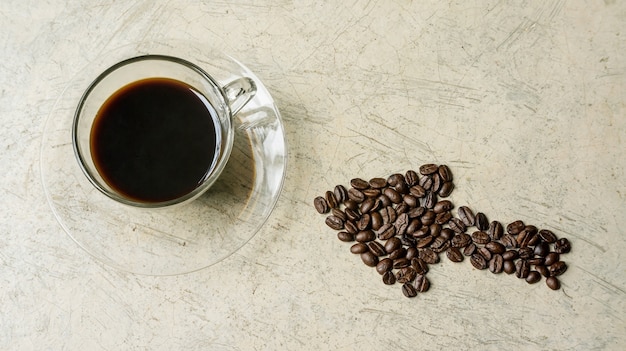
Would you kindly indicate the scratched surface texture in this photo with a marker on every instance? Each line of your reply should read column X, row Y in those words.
column 525, row 101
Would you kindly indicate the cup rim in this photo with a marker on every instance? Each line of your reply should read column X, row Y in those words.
column 221, row 151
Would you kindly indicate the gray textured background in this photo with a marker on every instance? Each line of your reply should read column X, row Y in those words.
column 524, row 101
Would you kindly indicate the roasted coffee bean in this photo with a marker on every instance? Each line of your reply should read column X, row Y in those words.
column 408, row 241
column 387, row 231
column 533, row 277
column 542, row 249
column 522, row 268
column 478, row 261
column 393, row 244
column 370, row 192
column 445, row 173
column 376, row 221
column 401, row 223
column 469, row 250
column 480, row 237
column 345, row 236
column 410, row 200
column 393, row 179
column 429, row 256
column 369, row 259
column 331, row 199
column 368, row 205
column 392, row 214
column 359, row 248
column 351, row 204
column 443, row 206
column 341, row 193
column 557, row 268
column 436, row 183
column 440, row 244
column 428, row 168
column 334, row 222
column 378, row 183
column 352, row 215
column 412, row 252
column 401, row 188
column 416, row 212
column 535, row 239
column 508, row 267
column 398, row 253
column 383, row 266
column 495, row 230
column 424, row 242
column 461, row 240
column 536, row 261
column 523, row 238
column 467, row 216
column 321, row 206
column 509, row 241
column 495, row 247
column 421, row 232
column 485, row 253
column 411, row 177
column 430, row 200
column 496, row 264
column 562, row 246
column 547, row 236
column 365, row 236
column 419, row 265
column 454, row 254
column 428, row 218
column 435, row 230
column 414, row 224
column 356, row 195
column 401, row 263
column 510, row 255
column 418, row 191
column 401, row 208
column 384, row 201
column 525, row 253
column 543, row 270
column 426, row 182
column 515, row 227
column 359, row 183
column 351, row 227
column 443, row 218
column 393, row 195
column 457, row 225
column 339, row 214
column 377, row 248
column 551, row 258
column 405, row 275
column 553, row 283
column 421, row 284
column 408, row 290
column 389, row 278
column 447, row 233
column 481, row 222
column 531, row 229
column 446, row 189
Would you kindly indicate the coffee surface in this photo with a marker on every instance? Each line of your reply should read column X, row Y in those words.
column 155, row 140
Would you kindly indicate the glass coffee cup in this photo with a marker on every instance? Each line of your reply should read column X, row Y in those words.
column 156, row 131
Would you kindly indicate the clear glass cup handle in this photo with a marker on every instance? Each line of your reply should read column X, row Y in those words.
column 238, row 93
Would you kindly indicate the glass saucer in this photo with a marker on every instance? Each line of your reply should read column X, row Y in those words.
column 173, row 240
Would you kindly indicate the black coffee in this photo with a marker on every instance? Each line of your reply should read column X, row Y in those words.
column 155, row 140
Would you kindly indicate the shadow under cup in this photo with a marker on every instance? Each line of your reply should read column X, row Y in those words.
column 122, row 84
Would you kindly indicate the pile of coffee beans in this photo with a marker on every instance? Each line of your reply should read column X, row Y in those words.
column 400, row 225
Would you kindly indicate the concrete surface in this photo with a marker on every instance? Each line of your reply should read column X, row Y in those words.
column 524, row 101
